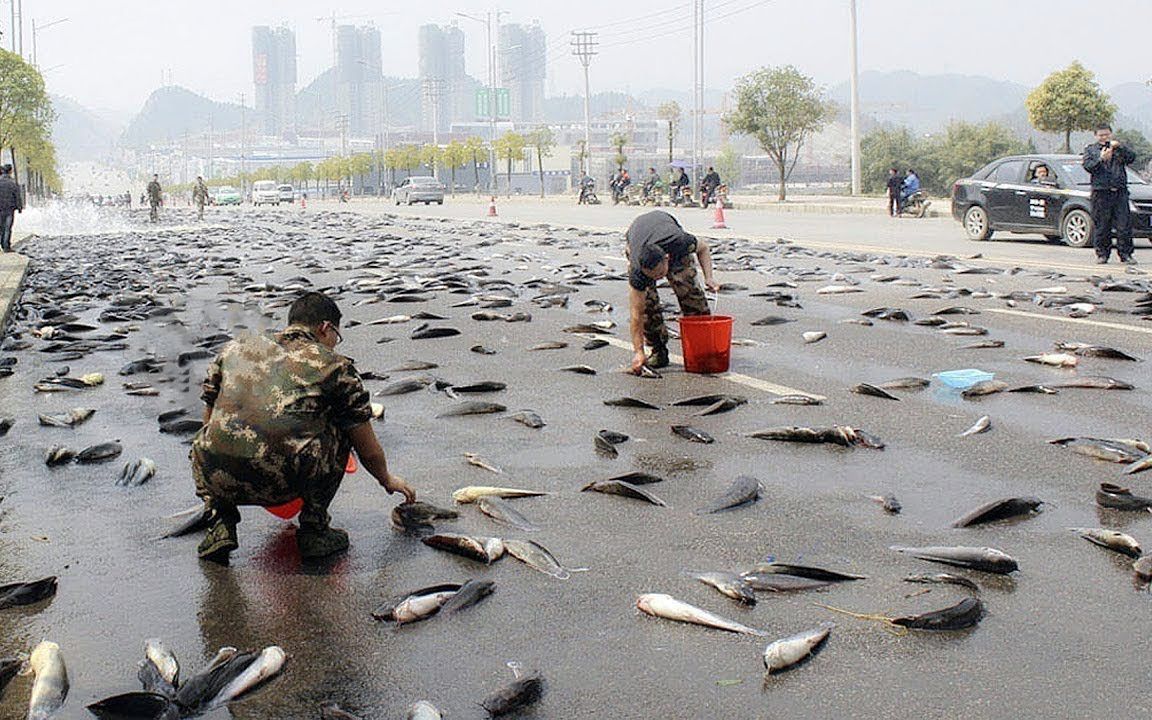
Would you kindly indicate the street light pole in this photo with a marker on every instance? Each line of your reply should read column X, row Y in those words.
column 855, row 83
column 491, row 94
column 584, row 47
column 36, row 31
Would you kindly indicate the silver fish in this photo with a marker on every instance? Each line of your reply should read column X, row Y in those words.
column 978, row 558
column 744, row 490
column 537, row 557
column 728, row 584
column 481, row 549
column 791, row 651
column 667, row 607
column 266, row 666
column 981, row 425
column 1112, row 539
column 50, row 687
column 423, row 710
column 502, row 512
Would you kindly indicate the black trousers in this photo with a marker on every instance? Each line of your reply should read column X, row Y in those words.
column 893, row 203
column 7, row 217
column 1110, row 212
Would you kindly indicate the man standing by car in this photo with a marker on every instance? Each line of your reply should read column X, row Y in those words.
column 659, row 248
column 155, row 197
column 11, row 202
column 1107, row 161
column 895, row 182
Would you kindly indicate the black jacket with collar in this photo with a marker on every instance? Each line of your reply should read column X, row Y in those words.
column 1111, row 175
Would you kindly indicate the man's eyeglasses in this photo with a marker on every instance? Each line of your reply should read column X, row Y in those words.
column 333, row 328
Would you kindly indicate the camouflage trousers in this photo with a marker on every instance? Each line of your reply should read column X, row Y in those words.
column 226, row 482
column 682, row 278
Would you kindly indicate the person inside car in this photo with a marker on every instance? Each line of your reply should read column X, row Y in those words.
column 1042, row 176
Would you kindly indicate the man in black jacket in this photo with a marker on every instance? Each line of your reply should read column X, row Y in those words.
column 895, row 182
column 1107, row 161
column 11, row 202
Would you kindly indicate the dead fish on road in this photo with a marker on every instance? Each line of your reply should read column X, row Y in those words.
column 1120, row 498
column 537, row 557
column 135, row 706
column 1000, row 510
column 595, row 344
column 418, row 516
column 603, row 327
column 481, row 549
column 477, row 461
column 401, row 387
column 980, row 426
column 137, row 473
column 813, row 336
column 771, row 320
column 613, row 437
column 472, row 407
column 74, row 417
column 470, row 593
column 480, row 387
column 554, row 345
column 804, row 571
column 1112, row 539
column 1100, row 351
column 796, row 400
column 604, row 447
column 667, row 607
column 414, row 366
column 963, row 614
column 744, row 490
column 26, row 593
column 791, row 651
column 721, row 406
column 1094, row 382
column 183, row 426
column 780, row 582
column 836, row 435
column 629, row 402
column 50, row 687
column 528, row 418
column 727, row 584
column 519, row 694
column 579, row 369
column 905, row 383
column 984, row 387
column 624, row 489
column 638, row 478
column 502, row 512
column 866, row 389
column 428, row 333
column 838, row 289
column 888, row 502
column 99, row 453
column 1053, row 359
column 983, row 344
column 1108, row 450
column 1038, row 389
column 59, row 455
column 978, row 558
column 417, row 605
column 943, row 579
column 710, row 400
column 692, row 434
column 472, row 493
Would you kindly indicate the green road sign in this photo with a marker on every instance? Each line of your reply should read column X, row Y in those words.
column 484, row 107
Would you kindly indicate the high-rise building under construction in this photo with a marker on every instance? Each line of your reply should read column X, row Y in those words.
column 274, row 73
column 359, row 79
column 523, row 52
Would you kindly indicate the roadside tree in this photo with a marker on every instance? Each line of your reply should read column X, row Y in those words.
column 1067, row 101
column 430, row 157
column 1140, row 145
column 669, row 112
column 455, row 155
column 781, row 108
column 26, row 113
column 542, row 141
column 475, row 146
column 509, row 147
column 619, row 140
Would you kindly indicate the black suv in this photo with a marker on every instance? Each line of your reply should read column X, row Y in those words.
column 1009, row 194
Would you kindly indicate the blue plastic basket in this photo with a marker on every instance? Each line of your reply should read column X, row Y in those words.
column 963, row 379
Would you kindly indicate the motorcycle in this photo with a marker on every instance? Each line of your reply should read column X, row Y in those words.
column 588, row 194
column 915, row 204
column 654, row 196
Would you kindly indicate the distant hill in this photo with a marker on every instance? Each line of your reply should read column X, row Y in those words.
column 79, row 133
column 172, row 111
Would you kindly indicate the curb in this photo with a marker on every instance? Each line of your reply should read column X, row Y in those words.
column 13, row 267
column 827, row 209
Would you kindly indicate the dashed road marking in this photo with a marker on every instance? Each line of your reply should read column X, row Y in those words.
column 1074, row 321
column 738, row 378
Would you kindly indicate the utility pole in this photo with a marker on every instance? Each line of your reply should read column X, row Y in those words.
column 697, row 86
column 18, row 25
column 855, row 83
column 432, row 91
column 584, row 47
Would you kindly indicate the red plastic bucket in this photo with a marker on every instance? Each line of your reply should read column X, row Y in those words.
column 707, row 342
column 292, row 508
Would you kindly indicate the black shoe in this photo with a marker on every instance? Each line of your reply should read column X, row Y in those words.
column 219, row 543
column 316, row 542
column 658, row 359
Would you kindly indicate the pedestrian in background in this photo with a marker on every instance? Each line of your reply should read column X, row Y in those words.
column 155, row 198
column 895, row 182
column 200, row 197
column 1107, row 161
column 11, row 202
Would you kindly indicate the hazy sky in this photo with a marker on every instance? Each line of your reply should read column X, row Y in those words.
column 111, row 53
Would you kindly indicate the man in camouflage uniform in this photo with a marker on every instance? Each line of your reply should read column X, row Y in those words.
column 155, row 198
column 200, row 197
column 283, row 412
column 659, row 248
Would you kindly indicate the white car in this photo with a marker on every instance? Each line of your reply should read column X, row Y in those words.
column 420, row 188
column 287, row 194
column 265, row 192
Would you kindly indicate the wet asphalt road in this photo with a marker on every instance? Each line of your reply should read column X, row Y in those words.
column 1064, row 637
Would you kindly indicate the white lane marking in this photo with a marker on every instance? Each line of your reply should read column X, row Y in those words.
column 1074, row 321
column 738, row 378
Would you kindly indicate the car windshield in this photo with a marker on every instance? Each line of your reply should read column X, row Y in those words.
column 285, row 188
column 264, row 186
column 226, row 189
column 424, row 181
column 1080, row 176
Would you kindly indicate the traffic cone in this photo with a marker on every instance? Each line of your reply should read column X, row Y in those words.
column 303, row 201
column 718, row 220
column 492, row 207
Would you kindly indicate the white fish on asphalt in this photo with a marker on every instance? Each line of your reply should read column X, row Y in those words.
column 667, row 607
column 266, row 666
column 50, row 687
column 982, row 425
column 790, row 651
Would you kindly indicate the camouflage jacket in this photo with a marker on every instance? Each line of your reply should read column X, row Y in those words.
column 200, row 193
column 155, row 194
column 281, row 399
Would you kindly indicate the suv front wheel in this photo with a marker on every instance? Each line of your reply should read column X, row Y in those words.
column 1076, row 229
column 976, row 223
